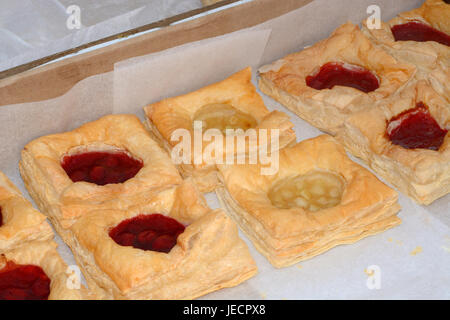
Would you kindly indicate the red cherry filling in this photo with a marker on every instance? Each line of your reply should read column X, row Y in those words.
column 23, row 282
column 418, row 31
column 416, row 128
column 339, row 74
column 154, row 232
column 101, row 167
column 1, row 217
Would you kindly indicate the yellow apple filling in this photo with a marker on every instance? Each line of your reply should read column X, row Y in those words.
column 313, row 191
column 223, row 116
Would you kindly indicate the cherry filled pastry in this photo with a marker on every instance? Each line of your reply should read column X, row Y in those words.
column 420, row 32
column 405, row 140
column 30, row 266
column 334, row 78
column 136, row 229
column 37, row 272
column 339, row 74
column 171, row 247
column 108, row 163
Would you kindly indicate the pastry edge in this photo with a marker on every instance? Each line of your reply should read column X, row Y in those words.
column 390, row 220
column 392, row 171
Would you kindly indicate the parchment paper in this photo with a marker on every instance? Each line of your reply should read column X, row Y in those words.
column 413, row 258
column 30, row 29
column 150, row 78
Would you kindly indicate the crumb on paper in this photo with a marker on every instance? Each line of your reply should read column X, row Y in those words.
column 417, row 250
column 299, row 266
column 399, row 242
column 368, row 272
column 263, row 295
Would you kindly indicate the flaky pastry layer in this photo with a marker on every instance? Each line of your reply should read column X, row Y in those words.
column 65, row 201
column 431, row 58
column 21, row 222
column 209, row 255
column 64, row 284
column 422, row 174
column 284, row 80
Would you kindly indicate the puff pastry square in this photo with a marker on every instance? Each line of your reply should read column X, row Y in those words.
column 43, row 254
column 432, row 58
column 326, row 109
column 20, row 223
column 208, row 255
column 232, row 98
column 289, row 234
column 63, row 200
column 422, row 174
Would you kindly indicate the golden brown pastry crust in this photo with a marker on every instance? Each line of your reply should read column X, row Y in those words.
column 209, row 254
column 168, row 115
column 44, row 255
column 286, row 236
column 64, row 201
column 431, row 58
column 21, row 222
column 434, row 12
column 422, row 174
column 284, row 80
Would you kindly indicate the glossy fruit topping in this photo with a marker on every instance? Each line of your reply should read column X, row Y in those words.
column 418, row 31
column 23, row 282
column 154, row 232
column 343, row 74
column 416, row 128
column 101, row 168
